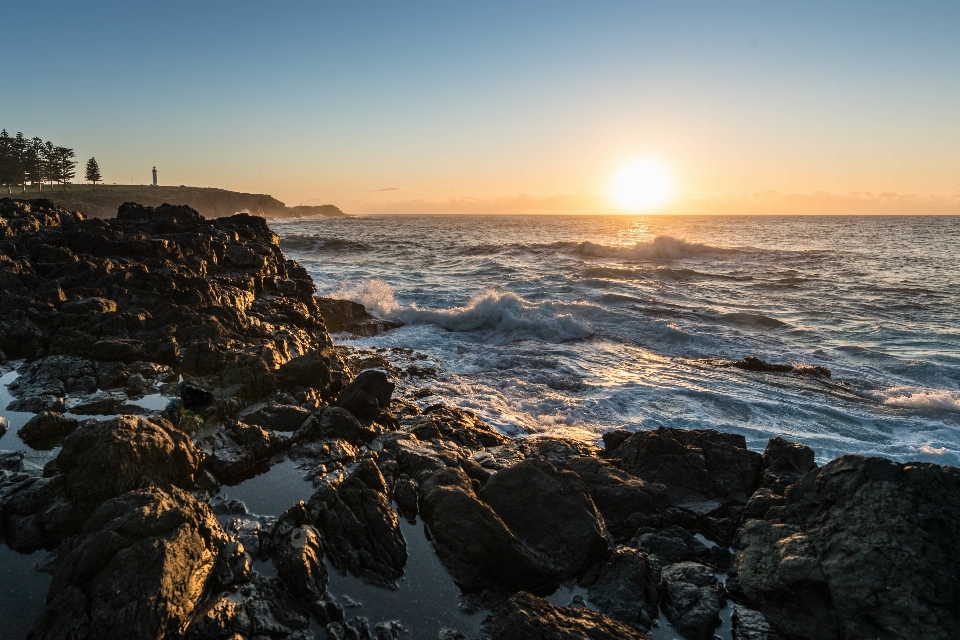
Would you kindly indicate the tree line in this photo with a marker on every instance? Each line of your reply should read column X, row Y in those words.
column 34, row 161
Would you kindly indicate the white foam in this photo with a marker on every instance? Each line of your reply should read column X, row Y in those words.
column 503, row 317
column 661, row 247
column 918, row 398
column 375, row 295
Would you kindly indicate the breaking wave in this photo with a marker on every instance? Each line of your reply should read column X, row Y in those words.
column 917, row 398
column 503, row 317
column 660, row 248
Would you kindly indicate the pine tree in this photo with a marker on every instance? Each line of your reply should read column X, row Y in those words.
column 66, row 166
column 6, row 161
column 21, row 152
column 50, row 169
column 36, row 162
column 93, row 171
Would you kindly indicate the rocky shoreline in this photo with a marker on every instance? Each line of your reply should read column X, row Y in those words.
column 122, row 492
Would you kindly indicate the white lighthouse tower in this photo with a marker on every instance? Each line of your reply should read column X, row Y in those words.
column 154, row 176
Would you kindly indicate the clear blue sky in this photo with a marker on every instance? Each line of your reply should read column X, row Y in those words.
column 330, row 101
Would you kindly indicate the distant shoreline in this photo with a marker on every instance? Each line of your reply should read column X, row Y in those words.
column 102, row 201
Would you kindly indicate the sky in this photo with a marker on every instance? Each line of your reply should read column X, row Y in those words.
column 502, row 106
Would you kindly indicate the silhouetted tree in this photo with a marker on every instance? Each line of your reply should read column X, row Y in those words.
column 6, row 161
column 37, row 162
column 65, row 165
column 21, row 152
column 93, row 171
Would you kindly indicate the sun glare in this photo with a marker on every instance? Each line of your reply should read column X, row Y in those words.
column 642, row 185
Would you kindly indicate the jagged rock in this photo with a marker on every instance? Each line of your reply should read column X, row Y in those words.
column 709, row 474
column 46, row 424
column 298, row 557
column 4, row 425
column 334, row 422
column 624, row 587
column 749, row 624
column 36, row 404
column 752, row 363
column 450, row 634
column 691, row 599
column 102, row 459
column 784, row 463
column 260, row 609
column 352, row 317
column 762, row 500
column 462, row 427
column 367, row 395
column 239, row 448
column 675, row 544
column 309, row 371
column 138, row 571
column 356, row 628
column 863, row 548
column 405, row 494
column 551, row 511
column 277, row 417
column 473, row 542
column 626, row 502
column 527, row 617
column 360, row 530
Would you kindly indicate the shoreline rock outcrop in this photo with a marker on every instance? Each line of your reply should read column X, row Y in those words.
column 210, row 315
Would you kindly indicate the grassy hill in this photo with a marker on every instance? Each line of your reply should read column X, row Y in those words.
column 102, row 201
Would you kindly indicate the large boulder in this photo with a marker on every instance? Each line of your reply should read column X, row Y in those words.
column 475, row 545
column 551, row 511
column 527, row 617
column 298, row 557
column 46, row 425
column 863, row 548
column 691, row 599
column 138, row 571
column 239, row 448
column 332, row 423
column 462, row 427
column 367, row 395
column 625, row 501
column 625, row 587
column 103, row 459
column 360, row 529
column 784, row 463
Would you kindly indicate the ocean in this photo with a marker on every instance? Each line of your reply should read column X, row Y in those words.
column 576, row 325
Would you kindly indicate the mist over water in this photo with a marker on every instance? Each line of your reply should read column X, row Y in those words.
column 578, row 325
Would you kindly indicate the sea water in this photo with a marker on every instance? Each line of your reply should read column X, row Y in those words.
column 575, row 325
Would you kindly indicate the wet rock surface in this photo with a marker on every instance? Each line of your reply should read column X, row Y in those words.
column 527, row 617
column 863, row 547
column 206, row 331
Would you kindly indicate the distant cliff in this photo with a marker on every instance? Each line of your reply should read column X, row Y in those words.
column 102, row 201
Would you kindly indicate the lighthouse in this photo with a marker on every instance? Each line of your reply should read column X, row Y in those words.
column 154, row 176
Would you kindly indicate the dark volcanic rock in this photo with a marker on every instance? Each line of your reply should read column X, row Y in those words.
column 675, row 544
column 352, row 317
column 277, row 417
column 367, row 395
column 863, row 548
column 691, row 599
column 752, row 363
column 262, row 608
column 309, row 371
column 334, row 422
column 474, row 543
column 360, row 529
column 138, row 571
column 238, row 448
column 626, row 502
column 551, row 511
column 694, row 465
column 749, row 624
column 103, row 459
column 456, row 425
column 298, row 556
column 784, row 463
column 625, row 587
column 527, row 617
column 46, row 424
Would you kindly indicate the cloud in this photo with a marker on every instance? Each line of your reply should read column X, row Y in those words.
column 387, row 189
column 755, row 203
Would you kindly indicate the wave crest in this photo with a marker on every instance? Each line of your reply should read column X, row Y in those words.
column 918, row 398
column 660, row 248
column 375, row 295
column 503, row 317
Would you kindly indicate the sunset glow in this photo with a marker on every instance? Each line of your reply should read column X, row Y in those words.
column 642, row 185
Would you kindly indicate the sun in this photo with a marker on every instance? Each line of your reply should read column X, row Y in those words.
column 642, row 185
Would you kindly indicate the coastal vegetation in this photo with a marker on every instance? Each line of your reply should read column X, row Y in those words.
column 34, row 161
